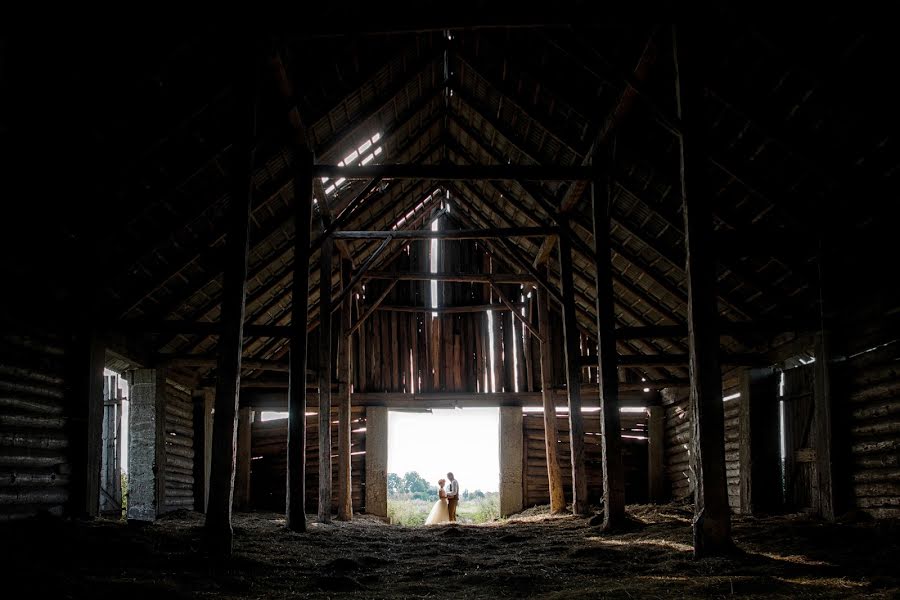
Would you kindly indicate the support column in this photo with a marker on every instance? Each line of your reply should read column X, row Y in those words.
column 823, row 435
column 760, row 446
column 573, row 372
column 345, row 372
column 146, row 444
column 511, row 449
column 87, row 424
column 551, row 433
column 607, row 357
column 242, row 469
column 203, row 401
column 327, row 252
column 230, row 345
column 712, row 516
column 295, row 502
column 376, row 460
column 656, row 481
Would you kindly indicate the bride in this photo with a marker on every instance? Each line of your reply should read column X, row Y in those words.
column 439, row 512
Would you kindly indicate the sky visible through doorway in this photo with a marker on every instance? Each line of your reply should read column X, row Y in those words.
column 465, row 442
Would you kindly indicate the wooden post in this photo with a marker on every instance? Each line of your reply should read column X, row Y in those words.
column 295, row 502
column 551, row 433
column 230, row 346
column 376, row 460
column 573, row 373
column 326, row 260
column 345, row 372
column 511, row 449
column 760, row 459
column 202, row 446
column 824, row 438
column 87, row 418
column 656, row 454
column 607, row 357
column 242, row 472
column 712, row 516
column 146, row 444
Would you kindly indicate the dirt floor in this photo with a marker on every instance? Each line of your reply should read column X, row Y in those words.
column 533, row 555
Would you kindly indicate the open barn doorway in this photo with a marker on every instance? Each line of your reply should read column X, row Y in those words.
column 424, row 445
column 114, row 445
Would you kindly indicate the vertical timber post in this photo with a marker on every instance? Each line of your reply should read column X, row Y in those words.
column 295, row 502
column 376, row 460
column 656, row 454
column 345, row 372
column 242, row 468
column 824, row 437
column 87, row 422
column 146, row 444
column 712, row 517
column 551, row 432
column 511, row 449
column 326, row 260
column 760, row 459
column 202, row 407
column 573, row 372
column 607, row 357
column 230, row 346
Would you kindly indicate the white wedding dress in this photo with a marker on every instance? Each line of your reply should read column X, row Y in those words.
column 440, row 513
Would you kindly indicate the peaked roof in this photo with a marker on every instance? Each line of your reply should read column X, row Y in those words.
column 790, row 137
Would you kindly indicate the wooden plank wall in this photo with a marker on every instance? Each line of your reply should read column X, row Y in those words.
column 677, row 442
column 180, row 450
column 268, row 471
column 801, row 480
column 870, row 383
column 536, row 486
column 416, row 352
column 35, row 465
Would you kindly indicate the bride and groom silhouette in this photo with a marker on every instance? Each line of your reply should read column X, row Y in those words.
column 444, row 510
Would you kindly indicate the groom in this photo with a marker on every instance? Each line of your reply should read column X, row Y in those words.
column 452, row 496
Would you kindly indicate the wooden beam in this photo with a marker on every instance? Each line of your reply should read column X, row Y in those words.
column 350, row 284
column 823, row 435
column 194, row 328
column 450, row 172
column 203, row 360
column 451, row 277
column 234, row 292
column 87, row 410
column 459, row 234
column 449, row 310
column 607, row 357
column 712, row 515
column 202, row 437
column 374, row 307
column 326, row 260
column 760, row 459
column 573, row 374
column 295, row 501
column 551, row 432
column 656, row 434
column 344, row 374
column 242, row 467
column 676, row 360
column 516, row 313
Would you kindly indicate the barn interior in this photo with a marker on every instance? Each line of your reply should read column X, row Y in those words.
column 661, row 251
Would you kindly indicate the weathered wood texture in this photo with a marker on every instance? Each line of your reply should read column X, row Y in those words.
column 412, row 352
column 868, row 385
column 677, row 440
column 634, row 457
column 35, row 461
column 180, row 451
column 269, row 465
